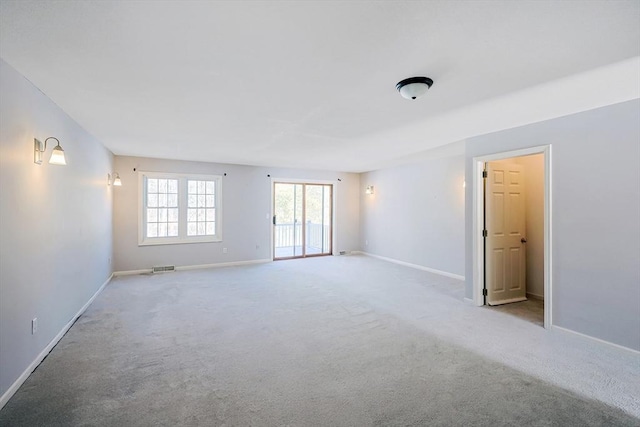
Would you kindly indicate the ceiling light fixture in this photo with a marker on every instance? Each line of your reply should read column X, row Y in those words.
column 414, row 87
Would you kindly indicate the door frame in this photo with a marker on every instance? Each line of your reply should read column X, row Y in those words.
column 334, row 198
column 478, row 224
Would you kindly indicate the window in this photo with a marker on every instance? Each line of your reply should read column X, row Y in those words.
column 201, row 208
column 162, row 207
column 179, row 208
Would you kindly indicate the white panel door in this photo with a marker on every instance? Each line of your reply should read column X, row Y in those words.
column 505, row 224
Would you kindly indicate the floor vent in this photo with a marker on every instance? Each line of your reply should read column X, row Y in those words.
column 164, row 268
column 343, row 252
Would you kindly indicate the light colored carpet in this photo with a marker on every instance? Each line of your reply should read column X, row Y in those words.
column 340, row 341
column 531, row 310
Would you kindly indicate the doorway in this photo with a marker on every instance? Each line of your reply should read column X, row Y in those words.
column 302, row 220
column 512, row 233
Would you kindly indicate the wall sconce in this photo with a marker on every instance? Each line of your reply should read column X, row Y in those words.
column 116, row 180
column 369, row 189
column 57, row 156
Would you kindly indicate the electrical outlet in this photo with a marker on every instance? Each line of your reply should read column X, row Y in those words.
column 34, row 325
column 224, row 250
column 366, row 243
column 257, row 247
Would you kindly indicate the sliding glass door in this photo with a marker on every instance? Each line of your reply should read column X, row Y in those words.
column 302, row 220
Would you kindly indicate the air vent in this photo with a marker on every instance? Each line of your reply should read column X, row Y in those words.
column 164, row 268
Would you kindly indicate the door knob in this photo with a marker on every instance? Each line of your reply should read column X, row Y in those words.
column 523, row 240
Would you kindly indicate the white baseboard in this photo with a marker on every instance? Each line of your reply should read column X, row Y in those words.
column 535, row 296
column 565, row 330
column 131, row 272
column 195, row 267
column 416, row 266
column 223, row 264
column 23, row 377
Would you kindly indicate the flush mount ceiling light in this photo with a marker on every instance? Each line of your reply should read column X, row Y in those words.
column 414, row 87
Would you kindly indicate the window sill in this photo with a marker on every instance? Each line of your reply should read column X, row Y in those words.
column 179, row 241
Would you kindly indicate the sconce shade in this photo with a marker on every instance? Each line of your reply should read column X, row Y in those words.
column 116, row 181
column 57, row 156
column 414, row 87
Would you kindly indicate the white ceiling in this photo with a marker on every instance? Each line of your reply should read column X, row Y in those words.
column 302, row 84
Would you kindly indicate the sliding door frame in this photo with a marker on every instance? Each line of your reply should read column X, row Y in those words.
column 334, row 191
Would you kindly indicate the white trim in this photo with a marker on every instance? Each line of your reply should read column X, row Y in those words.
column 535, row 296
column 334, row 207
column 478, row 224
column 548, row 234
column 178, row 241
column 477, row 218
column 194, row 267
column 416, row 266
column 469, row 301
column 33, row 365
column 223, row 264
column 589, row 337
column 132, row 272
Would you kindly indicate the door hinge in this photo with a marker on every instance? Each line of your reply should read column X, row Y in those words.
column 485, row 174
column 485, row 233
column 484, row 292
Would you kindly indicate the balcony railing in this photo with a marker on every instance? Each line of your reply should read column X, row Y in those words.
column 289, row 235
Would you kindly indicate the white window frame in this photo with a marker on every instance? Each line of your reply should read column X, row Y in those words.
column 182, row 209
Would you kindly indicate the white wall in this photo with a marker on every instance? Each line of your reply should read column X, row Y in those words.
column 534, row 208
column 416, row 214
column 55, row 223
column 246, row 210
column 595, row 216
